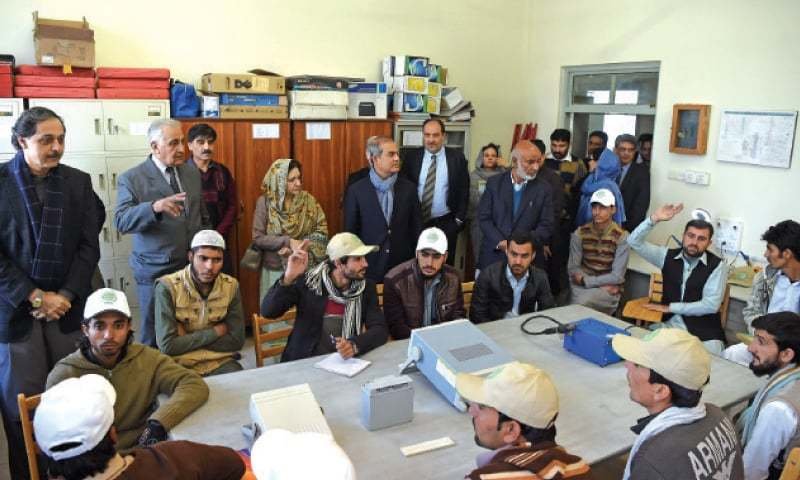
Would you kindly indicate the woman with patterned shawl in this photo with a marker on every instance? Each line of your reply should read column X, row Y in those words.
column 285, row 216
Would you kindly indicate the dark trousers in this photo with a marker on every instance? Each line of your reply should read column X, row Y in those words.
column 447, row 224
column 24, row 366
column 147, row 333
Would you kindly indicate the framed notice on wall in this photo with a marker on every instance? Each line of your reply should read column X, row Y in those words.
column 761, row 138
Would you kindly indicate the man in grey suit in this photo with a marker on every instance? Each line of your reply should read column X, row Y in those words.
column 160, row 202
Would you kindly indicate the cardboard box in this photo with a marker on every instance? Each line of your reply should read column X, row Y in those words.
column 317, row 82
column 336, row 98
column 401, row 65
column 209, row 105
column 242, row 83
column 367, row 100
column 254, row 100
column 437, row 73
column 433, row 105
column 249, row 111
column 318, row 112
column 63, row 42
column 434, row 89
column 411, row 85
column 408, row 102
column 451, row 96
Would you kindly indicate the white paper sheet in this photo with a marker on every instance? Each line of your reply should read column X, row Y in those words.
column 266, row 130
column 318, row 131
column 336, row 364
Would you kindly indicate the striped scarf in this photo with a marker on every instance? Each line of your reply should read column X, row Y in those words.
column 46, row 222
column 746, row 422
column 351, row 298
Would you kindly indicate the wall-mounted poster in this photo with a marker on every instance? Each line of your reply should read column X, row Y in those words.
column 758, row 137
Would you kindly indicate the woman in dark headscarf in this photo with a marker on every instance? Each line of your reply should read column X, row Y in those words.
column 487, row 164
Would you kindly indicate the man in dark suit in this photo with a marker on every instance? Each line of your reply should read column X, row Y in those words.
column 442, row 180
column 382, row 209
column 159, row 201
column 48, row 252
column 634, row 182
column 517, row 202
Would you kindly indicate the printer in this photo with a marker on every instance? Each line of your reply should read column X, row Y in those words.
column 441, row 351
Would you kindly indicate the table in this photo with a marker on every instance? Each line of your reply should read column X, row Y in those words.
column 594, row 419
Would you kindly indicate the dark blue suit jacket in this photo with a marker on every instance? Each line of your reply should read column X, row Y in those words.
column 457, row 177
column 18, row 248
column 497, row 221
column 363, row 217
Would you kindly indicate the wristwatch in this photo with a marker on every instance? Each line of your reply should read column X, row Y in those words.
column 38, row 298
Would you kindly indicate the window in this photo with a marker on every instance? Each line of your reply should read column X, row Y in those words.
column 616, row 98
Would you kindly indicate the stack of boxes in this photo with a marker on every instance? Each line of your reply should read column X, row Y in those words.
column 35, row 81
column 6, row 79
column 244, row 96
column 314, row 97
column 415, row 84
column 133, row 83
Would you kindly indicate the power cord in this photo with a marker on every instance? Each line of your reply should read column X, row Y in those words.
column 561, row 328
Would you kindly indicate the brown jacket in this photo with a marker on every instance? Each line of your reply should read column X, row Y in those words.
column 268, row 243
column 544, row 460
column 404, row 302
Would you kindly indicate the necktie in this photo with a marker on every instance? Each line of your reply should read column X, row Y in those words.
column 427, row 191
column 173, row 180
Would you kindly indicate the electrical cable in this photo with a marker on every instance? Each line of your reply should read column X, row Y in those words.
column 561, row 328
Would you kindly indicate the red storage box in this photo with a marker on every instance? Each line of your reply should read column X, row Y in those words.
column 53, row 92
column 53, row 81
column 133, row 93
column 131, row 83
column 6, row 86
column 5, row 69
column 129, row 73
column 55, row 71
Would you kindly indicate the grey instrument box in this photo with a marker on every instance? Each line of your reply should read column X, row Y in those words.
column 387, row 401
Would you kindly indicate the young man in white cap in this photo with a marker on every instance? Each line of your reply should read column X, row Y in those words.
column 423, row 291
column 283, row 455
column 694, row 278
column 337, row 307
column 75, row 432
column 199, row 318
column 514, row 409
column 138, row 373
column 770, row 427
column 598, row 257
column 681, row 438
column 513, row 286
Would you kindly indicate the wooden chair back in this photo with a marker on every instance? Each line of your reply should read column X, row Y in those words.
column 379, row 290
column 791, row 471
column 466, row 290
column 262, row 335
column 26, row 407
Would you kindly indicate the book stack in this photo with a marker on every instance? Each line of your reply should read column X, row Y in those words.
column 316, row 97
column 454, row 107
column 36, row 81
column 133, row 83
column 251, row 95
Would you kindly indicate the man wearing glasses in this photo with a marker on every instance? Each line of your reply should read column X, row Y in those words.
column 423, row 291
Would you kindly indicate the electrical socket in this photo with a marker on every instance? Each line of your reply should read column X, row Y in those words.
column 728, row 234
column 690, row 177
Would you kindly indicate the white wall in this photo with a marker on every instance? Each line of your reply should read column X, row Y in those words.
column 726, row 53
column 483, row 44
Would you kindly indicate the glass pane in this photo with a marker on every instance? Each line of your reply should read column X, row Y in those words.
column 591, row 89
column 636, row 88
column 688, row 124
column 613, row 125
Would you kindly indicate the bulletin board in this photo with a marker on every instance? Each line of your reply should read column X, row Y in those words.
column 763, row 138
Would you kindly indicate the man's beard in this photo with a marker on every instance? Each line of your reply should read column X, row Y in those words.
column 696, row 255
column 525, row 177
column 765, row 368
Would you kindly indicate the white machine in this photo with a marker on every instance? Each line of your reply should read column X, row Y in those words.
column 292, row 408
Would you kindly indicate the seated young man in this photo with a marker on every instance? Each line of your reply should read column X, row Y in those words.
column 513, row 286
column 199, row 318
column 514, row 411
column 337, row 307
column 598, row 257
column 769, row 428
column 424, row 290
column 75, row 432
column 138, row 373
column 666, row 373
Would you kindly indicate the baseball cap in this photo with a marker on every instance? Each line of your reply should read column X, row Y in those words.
column 519, row 390
column 283, row 455
column 604, row 197
column 208, row 238
column 673, row 353
column 78, row 410
column 106, row 300
column 434, row 239
column 346, row 244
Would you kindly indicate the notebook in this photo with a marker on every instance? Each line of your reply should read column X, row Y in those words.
column 336, row 364
column 291, row 408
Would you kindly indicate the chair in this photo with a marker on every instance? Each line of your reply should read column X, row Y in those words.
column 26, row 406
column 379, row 290
column 791, row 471
column 262, row 336
column 466, row 289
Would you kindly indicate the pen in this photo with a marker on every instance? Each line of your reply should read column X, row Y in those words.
column 333, row 340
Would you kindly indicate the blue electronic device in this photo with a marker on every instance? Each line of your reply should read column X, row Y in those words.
column 441, row 351
column 591, row 340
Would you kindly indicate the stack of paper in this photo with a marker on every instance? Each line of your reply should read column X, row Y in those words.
column 336, row 364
